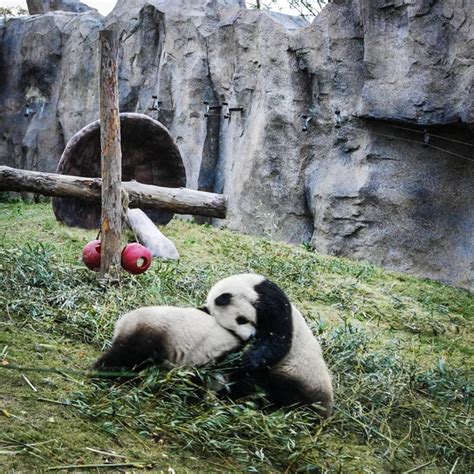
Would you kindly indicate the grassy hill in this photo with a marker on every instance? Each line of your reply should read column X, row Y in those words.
column 400, row 350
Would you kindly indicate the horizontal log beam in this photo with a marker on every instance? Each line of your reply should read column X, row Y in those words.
column 178, row 200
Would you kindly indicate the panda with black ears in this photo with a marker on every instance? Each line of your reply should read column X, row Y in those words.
column 285, row 358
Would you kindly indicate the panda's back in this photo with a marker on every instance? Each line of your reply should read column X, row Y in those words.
column 187, row 336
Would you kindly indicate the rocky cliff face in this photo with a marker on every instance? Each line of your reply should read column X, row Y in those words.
column 354, row 132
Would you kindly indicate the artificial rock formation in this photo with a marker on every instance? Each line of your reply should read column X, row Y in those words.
column 353, row 132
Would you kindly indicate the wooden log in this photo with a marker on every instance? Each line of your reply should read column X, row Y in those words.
column 179, row 200
column 150, row 236
column 111, row 154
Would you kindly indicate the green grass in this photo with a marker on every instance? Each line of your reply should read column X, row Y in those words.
column 400, row 350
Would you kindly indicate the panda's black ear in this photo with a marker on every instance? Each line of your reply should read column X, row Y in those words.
column 223, row 300
column 204, row 308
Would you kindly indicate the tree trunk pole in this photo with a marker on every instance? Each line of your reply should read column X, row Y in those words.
column 111, row 155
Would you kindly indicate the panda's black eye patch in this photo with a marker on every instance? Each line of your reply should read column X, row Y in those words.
column 241, row 320
column 223, row 300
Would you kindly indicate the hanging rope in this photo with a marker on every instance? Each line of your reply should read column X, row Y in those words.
column 423, row 132
column 451, row 139
column 411, row 141
column 431, row 134
column 450, row 152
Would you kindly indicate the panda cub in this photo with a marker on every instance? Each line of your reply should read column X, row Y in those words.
column 166, row 335
column 285, row 359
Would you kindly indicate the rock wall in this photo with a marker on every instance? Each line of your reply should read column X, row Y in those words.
column 354, row 133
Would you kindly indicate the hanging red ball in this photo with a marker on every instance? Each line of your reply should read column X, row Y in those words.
column 91, row 255
column 136, row 258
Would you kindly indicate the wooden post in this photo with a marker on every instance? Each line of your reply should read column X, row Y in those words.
column 111, row 154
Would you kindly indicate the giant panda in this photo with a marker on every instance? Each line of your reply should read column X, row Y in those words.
column 166, row 336
column 285, row 358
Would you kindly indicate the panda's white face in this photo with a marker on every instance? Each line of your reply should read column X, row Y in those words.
column 232, row 302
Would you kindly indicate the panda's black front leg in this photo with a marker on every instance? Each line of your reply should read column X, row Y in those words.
column 265, row 352
column 254, row 368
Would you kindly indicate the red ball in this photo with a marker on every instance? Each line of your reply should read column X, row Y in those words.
column 91, row 255
column 136, row 258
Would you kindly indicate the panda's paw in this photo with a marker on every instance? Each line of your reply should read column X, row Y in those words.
column 251, row 363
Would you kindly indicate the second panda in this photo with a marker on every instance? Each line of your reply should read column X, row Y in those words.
column 167, row 335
